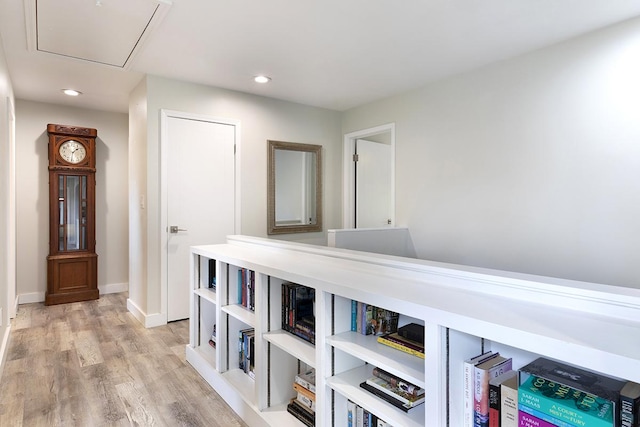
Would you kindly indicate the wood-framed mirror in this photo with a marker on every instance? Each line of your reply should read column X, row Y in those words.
column 294, row 194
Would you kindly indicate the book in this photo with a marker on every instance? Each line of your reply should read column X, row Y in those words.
column 396, row 381
column 590, row 382
column 351, row 413
column 483, row 372
column 565, row 403
column 527, row 420
column 509, row 402
column 302, row 405
column 307, row 380
column 395, row 341
column 385, row 321
column 297, row 311
column 630, row 405
column 367, row 319
column 388, row 398
column 297, row 387
column 413, row 332
column 306, row 401
column 495, row 397
column 408, row 399
column 468, row 385
column 301, row 414
column 544, row 417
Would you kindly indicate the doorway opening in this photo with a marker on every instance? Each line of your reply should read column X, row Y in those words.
column 369, row 178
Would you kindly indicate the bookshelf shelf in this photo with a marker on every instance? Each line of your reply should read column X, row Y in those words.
column 207, row 294
column 464, row 311
column 348, row 385
column 241, row 313
column 293, row 345
column 367, row 348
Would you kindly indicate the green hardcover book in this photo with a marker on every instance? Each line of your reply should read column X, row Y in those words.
column 565, row 403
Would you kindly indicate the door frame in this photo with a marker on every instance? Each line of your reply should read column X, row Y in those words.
column 165, row 115
column 348, row 172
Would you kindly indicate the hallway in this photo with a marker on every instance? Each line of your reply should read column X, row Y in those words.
column 93, row 364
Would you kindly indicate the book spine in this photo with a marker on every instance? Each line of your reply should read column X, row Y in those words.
column 494, row 405
column 629, row 410
column 304, row 400
column 404, row 342
column 545, row 417
column 559, row 410
column 481, row 391
column 305, row 383
column 297, row 387
column 351, row 413
column 527, row 420
column 400, row 347
column 354, row 313
column 508, row 406
column 384, row 396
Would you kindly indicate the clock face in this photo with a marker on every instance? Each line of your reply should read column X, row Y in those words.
column 73, row 151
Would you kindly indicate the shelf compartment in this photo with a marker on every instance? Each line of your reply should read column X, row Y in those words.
column 297, row 347
column 279, row 416
column 348, row 385
column 243, row 383
column 241, row 313
column 367, row 348
column 206, row 293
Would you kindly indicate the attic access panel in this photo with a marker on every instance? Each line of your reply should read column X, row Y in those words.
column 103, row 31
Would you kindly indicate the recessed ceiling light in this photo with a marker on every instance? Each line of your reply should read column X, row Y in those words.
column 262, row 79
column 71, row 92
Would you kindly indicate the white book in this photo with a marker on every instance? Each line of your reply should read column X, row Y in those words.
column 469, row 384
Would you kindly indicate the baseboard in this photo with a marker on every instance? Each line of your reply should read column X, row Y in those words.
column 109, row 288
column 113, row 288
column 31, row 297
column 4, row 347
column 148, row 320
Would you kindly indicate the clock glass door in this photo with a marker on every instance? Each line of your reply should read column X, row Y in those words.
column 72, row 212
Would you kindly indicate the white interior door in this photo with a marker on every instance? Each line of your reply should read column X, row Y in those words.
column 373, row 184
column 200, row 197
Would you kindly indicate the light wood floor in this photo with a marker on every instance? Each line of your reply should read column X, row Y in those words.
column 93, row 364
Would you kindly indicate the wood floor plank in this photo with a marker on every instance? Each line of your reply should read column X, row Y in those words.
column 93, row 364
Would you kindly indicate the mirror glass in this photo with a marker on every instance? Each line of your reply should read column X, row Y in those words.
column 294, row 188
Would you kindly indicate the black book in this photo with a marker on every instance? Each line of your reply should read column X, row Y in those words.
column 301, row 414
column 413, row 332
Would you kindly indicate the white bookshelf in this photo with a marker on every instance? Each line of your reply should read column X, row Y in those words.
column 463, row 309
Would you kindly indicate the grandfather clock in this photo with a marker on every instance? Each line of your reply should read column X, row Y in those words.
column 72, row 264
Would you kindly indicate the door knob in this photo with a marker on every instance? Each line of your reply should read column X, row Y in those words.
column 174, row 229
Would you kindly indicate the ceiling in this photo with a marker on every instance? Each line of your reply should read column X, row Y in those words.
column 335, row 54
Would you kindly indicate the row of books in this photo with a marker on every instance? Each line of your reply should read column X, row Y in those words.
column 408, row 338
column 212, row 274
column 213, row 339
column 545, row 393
column 246, row 288
column 357, row 416
column 303, row 406
column 394, row 390
column 553, row 393
column 246, row 346
column 298, row 315
column 368, row 319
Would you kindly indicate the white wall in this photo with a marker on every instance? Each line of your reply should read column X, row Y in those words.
column 7, row 203
column 33, row 195
column 529, row 165
column 261, row 119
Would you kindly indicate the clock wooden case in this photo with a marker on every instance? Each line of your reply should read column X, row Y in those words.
column 72, row 264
